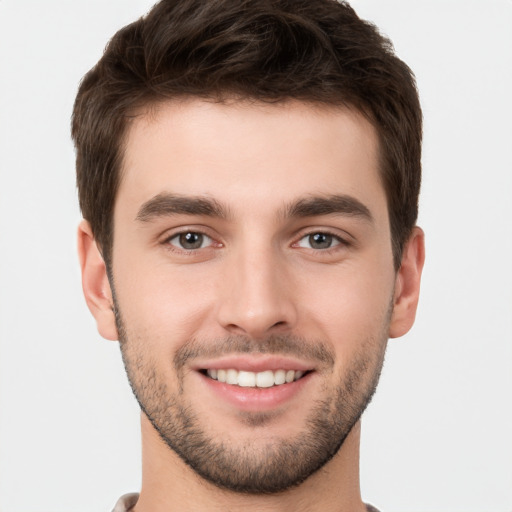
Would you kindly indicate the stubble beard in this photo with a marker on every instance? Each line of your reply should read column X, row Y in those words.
column 251, row 468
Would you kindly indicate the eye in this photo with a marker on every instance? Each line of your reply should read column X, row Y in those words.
column 190, row 240
column 319, row 241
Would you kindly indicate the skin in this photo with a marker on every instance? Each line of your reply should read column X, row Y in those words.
column 257, row 275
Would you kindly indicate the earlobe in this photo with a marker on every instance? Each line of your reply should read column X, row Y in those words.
column 95, row 283
column 407, row 285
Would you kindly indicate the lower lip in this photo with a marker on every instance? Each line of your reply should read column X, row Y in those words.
column 256, row 399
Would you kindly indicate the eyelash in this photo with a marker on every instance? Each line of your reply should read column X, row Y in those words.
column 340, row 242
column 189, row 252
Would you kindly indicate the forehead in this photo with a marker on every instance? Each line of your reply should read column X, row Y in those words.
column 249, row 153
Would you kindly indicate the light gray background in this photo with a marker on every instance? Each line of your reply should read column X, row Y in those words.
column 438, row 435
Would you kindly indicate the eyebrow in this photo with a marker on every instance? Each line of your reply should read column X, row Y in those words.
column 328, row 205
column 165, row 205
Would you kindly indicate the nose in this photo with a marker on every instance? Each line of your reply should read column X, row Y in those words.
column 257, row 298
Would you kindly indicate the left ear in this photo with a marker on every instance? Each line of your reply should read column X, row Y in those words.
column 407, row 284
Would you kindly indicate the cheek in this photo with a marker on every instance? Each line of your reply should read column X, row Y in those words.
column 349, row 304
column 161, row 301
column 354, row 319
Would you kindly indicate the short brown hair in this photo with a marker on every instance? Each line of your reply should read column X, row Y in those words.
column 268, row 50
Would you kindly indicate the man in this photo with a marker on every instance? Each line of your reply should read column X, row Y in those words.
column 249, row 174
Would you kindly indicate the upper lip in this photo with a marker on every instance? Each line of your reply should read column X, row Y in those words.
column 253, row 363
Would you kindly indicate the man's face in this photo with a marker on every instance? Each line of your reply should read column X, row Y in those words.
column 252, row 245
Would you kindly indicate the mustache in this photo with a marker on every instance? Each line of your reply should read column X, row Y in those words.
column 286, row 344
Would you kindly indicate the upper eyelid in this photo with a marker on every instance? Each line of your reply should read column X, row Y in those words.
column 343, row 236
column 340, row 241
column 170, row 233
column 175, row 235
column 210, row 243
column 182, row 251
column 327, row 233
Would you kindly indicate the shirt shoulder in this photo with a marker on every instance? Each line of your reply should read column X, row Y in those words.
column 126, row 502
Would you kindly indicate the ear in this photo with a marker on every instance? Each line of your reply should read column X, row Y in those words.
column 95, row 284
column 407, row 284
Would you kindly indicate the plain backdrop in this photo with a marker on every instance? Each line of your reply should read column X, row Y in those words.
column 437, row 437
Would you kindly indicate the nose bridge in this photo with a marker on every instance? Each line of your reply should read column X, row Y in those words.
column 258, row 299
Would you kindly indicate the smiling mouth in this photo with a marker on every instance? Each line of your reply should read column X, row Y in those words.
column 265, row 379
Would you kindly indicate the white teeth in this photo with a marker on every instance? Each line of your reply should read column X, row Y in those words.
column 265, row 379
column 246, row 379
column 231, row 377
column 279, row 377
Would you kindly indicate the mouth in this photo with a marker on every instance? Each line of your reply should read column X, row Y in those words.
column 256, row 383
column 248, row 379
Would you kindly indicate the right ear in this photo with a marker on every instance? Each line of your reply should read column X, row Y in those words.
column 95, row 283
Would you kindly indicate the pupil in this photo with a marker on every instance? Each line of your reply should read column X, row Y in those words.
column 191, row 240
column 320, row 241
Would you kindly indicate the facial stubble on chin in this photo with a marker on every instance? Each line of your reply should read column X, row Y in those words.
column 273, row 466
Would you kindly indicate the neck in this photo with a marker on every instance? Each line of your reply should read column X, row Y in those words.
column 168, row 484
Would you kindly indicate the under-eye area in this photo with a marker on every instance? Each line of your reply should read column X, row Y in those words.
column 264, row 379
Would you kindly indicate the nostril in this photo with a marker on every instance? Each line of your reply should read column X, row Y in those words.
column 235, row 329
column 280, row 324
